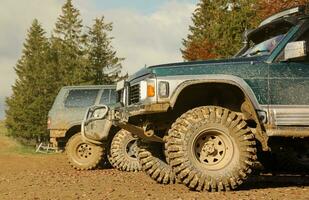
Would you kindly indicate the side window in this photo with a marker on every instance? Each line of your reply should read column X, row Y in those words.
column 105, row 97
column 81, row 98
column 108, row 96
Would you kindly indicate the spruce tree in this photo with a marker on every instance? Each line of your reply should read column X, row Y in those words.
column 217, row 28
column 68, row 46
column 26, row 115
column 104, row 66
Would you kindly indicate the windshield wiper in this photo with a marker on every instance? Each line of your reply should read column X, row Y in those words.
column 258, row 51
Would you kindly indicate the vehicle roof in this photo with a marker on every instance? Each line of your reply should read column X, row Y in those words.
column 292, row 14
column 89, row 87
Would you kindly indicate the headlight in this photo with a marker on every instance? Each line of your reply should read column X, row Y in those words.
column 163, row 89
column 147, row 89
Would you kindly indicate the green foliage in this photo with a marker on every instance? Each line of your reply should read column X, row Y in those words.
column 69, row 57
column 9, row 145
column 29, row 104
column 104, row 66
column 220, row 23
column 68, row 46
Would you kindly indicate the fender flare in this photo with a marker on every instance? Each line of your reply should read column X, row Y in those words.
column 226, row 79
column 251, row 104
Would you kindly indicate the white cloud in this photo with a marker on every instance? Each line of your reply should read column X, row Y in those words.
column 146, row 38
column 15, row 18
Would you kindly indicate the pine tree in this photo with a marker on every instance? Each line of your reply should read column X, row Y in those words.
column 30, row 102
column 68, row 47
column 104, row 66
column 218, row 25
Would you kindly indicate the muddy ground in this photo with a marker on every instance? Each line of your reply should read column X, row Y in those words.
column 27, row 176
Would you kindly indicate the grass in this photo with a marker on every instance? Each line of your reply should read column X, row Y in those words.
column 10, row 146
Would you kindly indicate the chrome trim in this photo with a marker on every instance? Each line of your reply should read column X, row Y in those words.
column 289, row 115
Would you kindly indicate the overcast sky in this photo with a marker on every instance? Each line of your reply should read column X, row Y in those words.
column 146, row 32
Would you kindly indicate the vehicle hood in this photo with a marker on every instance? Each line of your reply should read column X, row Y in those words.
column 197, row 67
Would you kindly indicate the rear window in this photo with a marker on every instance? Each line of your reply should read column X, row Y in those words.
column 81, row 98
column 109, row 96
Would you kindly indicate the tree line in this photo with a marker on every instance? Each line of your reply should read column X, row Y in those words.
column 73, row 56
column 218, row 25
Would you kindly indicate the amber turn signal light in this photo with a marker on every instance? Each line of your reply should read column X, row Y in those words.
column 150, row 91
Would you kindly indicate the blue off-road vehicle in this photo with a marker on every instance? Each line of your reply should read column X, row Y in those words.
column 205, row 123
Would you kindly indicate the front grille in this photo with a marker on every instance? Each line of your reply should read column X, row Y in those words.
column 134, row 94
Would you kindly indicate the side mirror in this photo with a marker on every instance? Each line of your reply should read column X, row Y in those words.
column 295, row 50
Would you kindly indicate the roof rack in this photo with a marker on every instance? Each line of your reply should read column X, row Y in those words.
column 297, row 10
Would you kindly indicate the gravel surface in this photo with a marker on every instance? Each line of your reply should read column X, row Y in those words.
column 50, row 177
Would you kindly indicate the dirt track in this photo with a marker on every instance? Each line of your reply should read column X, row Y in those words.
column 50, row 177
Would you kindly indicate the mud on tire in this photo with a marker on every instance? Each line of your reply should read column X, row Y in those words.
column 123, row 152
column 83, row 155
column 153, row 163
column 211, row 149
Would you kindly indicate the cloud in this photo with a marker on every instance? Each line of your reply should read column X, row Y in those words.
column 141, row 38
column 15, row 18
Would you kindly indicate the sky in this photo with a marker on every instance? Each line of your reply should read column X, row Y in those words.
column 145, row 32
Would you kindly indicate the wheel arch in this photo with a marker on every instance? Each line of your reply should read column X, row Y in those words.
column 248, row 105
column 72, row 130
column 224, row 79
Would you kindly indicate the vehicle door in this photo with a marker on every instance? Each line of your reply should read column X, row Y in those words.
column 76, row 103
column 289, row 89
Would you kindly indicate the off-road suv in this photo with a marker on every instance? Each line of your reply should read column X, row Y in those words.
column 203, row 123
column 70, row 105
column 64, row 124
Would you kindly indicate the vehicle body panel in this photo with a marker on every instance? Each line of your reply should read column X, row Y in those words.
column 63, row 117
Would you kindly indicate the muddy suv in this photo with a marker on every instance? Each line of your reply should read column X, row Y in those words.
column 70, row 105
column 207, row 123
column 65, row 120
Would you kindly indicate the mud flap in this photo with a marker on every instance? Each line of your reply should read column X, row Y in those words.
column 96, row 124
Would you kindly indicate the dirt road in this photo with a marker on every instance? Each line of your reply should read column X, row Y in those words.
column 50, row 177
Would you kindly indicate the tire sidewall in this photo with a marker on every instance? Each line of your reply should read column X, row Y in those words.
column 71, row 151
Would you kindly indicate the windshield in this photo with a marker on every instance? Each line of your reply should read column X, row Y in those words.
column 263, row 48
column 263, row 40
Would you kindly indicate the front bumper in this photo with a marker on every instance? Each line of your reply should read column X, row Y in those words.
column 124, row 113
column 95, row 130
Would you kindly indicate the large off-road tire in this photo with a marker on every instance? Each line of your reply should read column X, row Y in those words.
column 124, row 152
column 83, row 155
column 154, row 164
column 211, row 149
